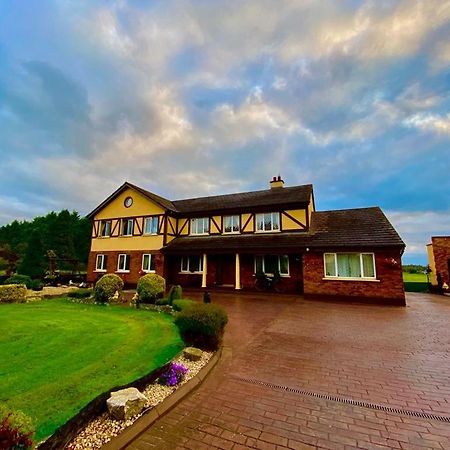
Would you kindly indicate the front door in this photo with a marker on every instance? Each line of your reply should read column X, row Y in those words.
column 225, row 270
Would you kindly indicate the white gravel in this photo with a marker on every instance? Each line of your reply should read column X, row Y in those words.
column 103, row 428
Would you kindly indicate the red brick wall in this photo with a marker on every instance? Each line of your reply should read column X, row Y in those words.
column 129, row 279
column 388, row 290
column 441, row 250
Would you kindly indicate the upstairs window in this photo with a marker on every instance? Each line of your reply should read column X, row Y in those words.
column 127, row 227
column 151, row 225
column 271, row 264
column 349, row 265
column 105, row 228
column 148, row 262
column 101, row 263
column 267, row 222
column 123, row 263
column 231, row 224
column 200, row 225
column 191, row 264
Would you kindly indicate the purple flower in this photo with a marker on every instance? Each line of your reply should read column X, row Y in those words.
column 173, row 374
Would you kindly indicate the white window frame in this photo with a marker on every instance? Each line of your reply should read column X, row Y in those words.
column 195, row 226
column 288, row 274
column 272, row 229
column 103, row 265
column 150, row 255
column 235, row 220
column 153, row 219
column 188, row 259
column 127, row 221
column 103, row 225
column 127, row 257
column 363, row 277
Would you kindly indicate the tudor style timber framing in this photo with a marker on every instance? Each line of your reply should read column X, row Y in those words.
column 191, row 246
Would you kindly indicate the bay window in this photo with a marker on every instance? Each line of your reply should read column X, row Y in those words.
column 272, row 264
column 268, row 222
column 349, row 265
column 200, row 225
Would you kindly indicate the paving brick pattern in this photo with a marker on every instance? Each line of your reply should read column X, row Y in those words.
column 395, row 356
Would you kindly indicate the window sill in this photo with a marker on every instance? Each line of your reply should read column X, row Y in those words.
column 372, row 280
column 122, row 271
column 199, row 234
column 267, row 231
column 231, row 232
column 148, row 271
column 270, row 275
column 126, row 236
column 100, row 270
column 103, row 237
column 150, row 234
column 190, row 273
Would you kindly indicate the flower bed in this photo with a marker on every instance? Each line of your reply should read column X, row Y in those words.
column 103, row 428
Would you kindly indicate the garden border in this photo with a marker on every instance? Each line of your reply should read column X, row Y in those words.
column 153, row 414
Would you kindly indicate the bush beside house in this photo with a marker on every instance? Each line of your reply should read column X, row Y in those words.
column 106, row 288
column 150, row 287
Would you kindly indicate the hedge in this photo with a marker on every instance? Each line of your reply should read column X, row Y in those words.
column 19, row 279
column 13, row 293
column 180, row 305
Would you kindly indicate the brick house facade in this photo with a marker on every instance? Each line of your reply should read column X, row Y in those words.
column 233, row 241
column 439, row 259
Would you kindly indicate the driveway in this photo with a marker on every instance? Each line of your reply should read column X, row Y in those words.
column 300, row 374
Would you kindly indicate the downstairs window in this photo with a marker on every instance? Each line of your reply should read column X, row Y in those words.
column 271, row 264
column 349, row 265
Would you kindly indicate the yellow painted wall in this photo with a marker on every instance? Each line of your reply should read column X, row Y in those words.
column 288, row 224
column 212, row 227
column 249, row 227
column 127, row 243
column 310, row 207
column 141, row 206
column 432, row 264
column 181, row 223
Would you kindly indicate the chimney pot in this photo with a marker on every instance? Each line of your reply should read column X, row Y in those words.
column 276, row 182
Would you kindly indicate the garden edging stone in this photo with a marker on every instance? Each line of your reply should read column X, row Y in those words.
column 153, row 414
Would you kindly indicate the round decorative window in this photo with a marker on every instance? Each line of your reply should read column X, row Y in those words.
column 128, row 202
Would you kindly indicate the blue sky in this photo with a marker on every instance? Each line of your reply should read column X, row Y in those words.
column 190, row 98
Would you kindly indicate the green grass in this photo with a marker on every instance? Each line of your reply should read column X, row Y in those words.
column 56, row 356
column 415, row 282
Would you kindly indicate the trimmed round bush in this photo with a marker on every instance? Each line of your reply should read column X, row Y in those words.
column 106, row 288
column 150, row 287
column 202, row 325
column 13, row 293
column 19, row 279
column 180, row 305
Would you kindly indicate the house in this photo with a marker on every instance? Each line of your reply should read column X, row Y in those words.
column 225, row 241
column 439, row 259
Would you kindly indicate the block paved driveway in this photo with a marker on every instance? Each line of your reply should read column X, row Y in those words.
column 393, row 356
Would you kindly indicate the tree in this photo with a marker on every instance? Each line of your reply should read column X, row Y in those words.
column 34, row 261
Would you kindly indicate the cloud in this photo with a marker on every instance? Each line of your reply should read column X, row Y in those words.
column 430, row 122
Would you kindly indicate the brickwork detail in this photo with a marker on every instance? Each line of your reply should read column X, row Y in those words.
column 389, row 288
column 441, row 250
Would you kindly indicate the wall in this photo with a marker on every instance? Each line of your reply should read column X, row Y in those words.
column 441, row 252
column 432, row 264
column 389, row 289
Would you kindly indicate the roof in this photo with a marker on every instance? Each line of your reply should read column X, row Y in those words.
column 347, row 228
column 294, row 195
column 267, row 197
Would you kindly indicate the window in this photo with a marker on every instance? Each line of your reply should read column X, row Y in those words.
column 270, row 264
column 200, row 226
column 148, row 263
column 105, row 228
column 191, row 264
column 268, row 221
column 123, row 263
column 101, row 263
column 349, row 265
column 127, row 227
column 231, row 224
column 151, row 225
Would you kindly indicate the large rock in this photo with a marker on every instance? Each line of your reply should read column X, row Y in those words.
column 192, row 353
column 124, row 404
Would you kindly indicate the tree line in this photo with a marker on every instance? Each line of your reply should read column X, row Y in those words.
column 25, row 245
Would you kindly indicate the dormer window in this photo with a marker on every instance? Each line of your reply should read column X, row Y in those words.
column 127, row 227
column 267, row 222
column 231, row 224
column 200, row 225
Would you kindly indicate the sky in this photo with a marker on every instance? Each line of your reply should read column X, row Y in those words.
column 192, row 98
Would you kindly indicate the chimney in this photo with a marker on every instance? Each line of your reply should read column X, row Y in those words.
column 276, row 182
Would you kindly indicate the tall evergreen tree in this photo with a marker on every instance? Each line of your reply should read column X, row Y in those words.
column 34, row 261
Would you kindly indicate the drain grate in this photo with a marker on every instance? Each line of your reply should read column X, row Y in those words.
column 349, row 401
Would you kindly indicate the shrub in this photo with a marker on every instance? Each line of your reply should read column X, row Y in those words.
column 19, row 279
column 37, row 285
column 13, row 293
column 180, row 305
column 106, row 287
column 175, row 293
column 80, row 293
column 150, row 287
column 162, row 302
column 173, row 374
column 16, row 430
column 202, row 325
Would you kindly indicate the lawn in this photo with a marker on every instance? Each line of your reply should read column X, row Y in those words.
column 415, row 282
column 56, row 356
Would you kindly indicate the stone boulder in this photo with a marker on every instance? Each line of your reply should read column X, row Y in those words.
column 192, row 353
column 126, row 403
